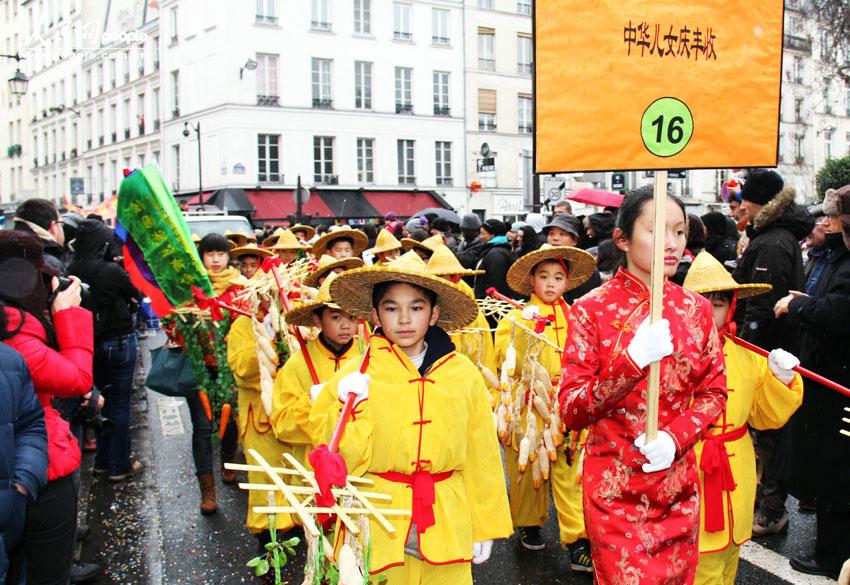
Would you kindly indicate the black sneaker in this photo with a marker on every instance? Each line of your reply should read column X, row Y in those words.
column 529, row 538
column 810, row 566
column 580, row 556
column 84, row 572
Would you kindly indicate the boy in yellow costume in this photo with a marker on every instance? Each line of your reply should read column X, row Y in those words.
column 763, row 394
column 545, row 275
column 422, row 428
column 475, row 341
column 304, row 373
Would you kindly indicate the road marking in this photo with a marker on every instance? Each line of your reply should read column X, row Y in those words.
column 170, row 419
column 777, row 565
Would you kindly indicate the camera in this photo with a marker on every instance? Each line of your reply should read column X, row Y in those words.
column 90, row 414
column 63, row 284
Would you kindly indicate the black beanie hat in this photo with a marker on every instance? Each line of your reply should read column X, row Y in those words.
column 495, row 227
column 762, row 185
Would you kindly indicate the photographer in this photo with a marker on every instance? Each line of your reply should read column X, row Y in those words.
column 109, row 298
column 54, row 335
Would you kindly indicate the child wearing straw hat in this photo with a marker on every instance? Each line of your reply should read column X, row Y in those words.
column 386, row 248
column 763, row 394
column 328, row 265
column 476, row 340
column 422, row 428
column 303, row 232
column 344, row 242
column 249, row 257
column 287, row 247
column 426, row 247
column 531, row 372
column 302, row 377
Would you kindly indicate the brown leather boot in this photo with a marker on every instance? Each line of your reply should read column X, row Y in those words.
column 208, row 504
column 228, row 476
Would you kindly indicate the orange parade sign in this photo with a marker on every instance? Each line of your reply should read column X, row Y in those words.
column 656, row 84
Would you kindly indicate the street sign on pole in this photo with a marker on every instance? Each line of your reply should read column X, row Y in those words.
column 618, row 181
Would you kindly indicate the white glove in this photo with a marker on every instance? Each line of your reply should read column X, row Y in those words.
column 530, row 312
column 315, row 390
column 782, row 364
column 481, row 552
column 267, row 324
column 660, row 452
column 651, row 342
column 354, row 383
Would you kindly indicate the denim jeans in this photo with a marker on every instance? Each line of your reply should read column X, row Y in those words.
column 114, row 365
column 202, row 437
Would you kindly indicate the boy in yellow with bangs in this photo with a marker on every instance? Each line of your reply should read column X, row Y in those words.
column 763, row 393
column 422, row 427
column 544, row 276
column 302, row 377
column 476, row 340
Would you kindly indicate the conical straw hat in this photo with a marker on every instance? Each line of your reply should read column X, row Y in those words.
column 385, row 242
column 443, row 262
column 309, row 231
column 270, row 241
column 352, row 290
column 428, row 244
column 359, row 239
column 707, row 275
column 239, row 238
column 580, row 265
column 303, row 314
column 327, row 264
column 288, row 241
column 250, row 250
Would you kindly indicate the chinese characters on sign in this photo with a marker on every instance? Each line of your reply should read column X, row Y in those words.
column 655, row 39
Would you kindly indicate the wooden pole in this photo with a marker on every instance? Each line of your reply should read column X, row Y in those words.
column 656, row 297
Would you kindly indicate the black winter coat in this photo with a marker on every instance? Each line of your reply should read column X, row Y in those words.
column 773, row 256
column 495, row 262
column 813, row 459
column 111, row 291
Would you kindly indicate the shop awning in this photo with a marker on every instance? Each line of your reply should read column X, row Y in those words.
column 404, row 203
column 279, row 204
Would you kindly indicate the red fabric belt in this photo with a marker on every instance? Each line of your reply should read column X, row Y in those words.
column 422, row 484
column 717, row 475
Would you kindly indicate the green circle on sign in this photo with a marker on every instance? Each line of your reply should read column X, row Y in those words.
column 666, row 126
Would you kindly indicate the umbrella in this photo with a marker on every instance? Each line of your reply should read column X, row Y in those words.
column 597, row 197
column 433, row 213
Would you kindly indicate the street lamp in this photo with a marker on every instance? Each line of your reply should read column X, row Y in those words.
column 19, row 81
column 197, row 129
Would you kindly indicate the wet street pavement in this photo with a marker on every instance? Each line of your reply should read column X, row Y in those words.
column 148, row 530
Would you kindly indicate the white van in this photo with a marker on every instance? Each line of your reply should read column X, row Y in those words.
column 206, row 222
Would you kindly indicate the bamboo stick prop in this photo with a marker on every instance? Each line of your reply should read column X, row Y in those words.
column 286, row 471
column 656, row 297
column 844, row 432
column 306, row 491
column 813, row 376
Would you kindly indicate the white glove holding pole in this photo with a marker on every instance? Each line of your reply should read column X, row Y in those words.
column 530, row 312
column 782, row 364
column 267, row 324
column 315, row 390
column 354, row 383
column 660, row 452
column 651, row 343
column 481, row 552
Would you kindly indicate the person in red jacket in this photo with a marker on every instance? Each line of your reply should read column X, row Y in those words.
column 47, row 326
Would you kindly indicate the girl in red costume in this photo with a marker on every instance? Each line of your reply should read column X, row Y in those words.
column 641, row 500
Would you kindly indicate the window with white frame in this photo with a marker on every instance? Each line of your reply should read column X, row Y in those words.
column 321, row 81
column 401, row 22
column 798, row 70
column 781, row 148
column 175, row 93
column 487, row 109
column 140, row 112
column 486, row 4
column 441, row 93
column 523, row 7
column 403, row 89
column 172, row 21
column 406, row 151
column 156, row 120
column 828, row 146
column 486, row 49
column 363, row 17
column 524, row 113
column 267, row 79
column 799, row 149
column 440, row 26
column 362, row 85
column 523, row 54
column 268, row 158
column 266, row 11
column 323, row 160
column 175, row 167
column 827, row 106
column 443, row 160
column 320, row 15
column 365, row 160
